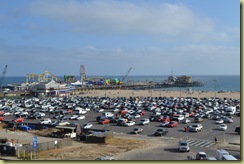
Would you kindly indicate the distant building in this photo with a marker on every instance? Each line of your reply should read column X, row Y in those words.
column 184, row 79
column 172, row 78
column 51, row 88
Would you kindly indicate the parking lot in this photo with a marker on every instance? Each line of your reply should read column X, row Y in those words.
column 145, row 107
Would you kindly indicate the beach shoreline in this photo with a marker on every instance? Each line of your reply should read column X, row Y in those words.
column 159, row 93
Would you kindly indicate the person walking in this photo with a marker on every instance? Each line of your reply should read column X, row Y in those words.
column 215, row 140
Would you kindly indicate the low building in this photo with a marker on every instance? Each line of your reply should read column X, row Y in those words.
column 184, row 79
column 51, row 88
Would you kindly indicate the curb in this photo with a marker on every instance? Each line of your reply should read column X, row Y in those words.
column 233, row 143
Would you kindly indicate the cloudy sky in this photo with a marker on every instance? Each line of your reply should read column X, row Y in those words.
column 192, row 37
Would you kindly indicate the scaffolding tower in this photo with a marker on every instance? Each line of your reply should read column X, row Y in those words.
column 82, row 73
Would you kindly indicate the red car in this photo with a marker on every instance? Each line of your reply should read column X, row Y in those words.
column 164, row 119
column 123, row 112
column 105, row 121
column 172, row 124
column 21, row 119
column 142, row 113
column 70, row 111
column 1, row 118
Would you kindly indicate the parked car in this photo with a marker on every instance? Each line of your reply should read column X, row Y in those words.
column 18, row 120
column 1, row 118
column 104, row 121
column 105, row 158
column 195, row 128
column 2, row 113
column 63, row 122
column 154, row 118
column 23, row 114
column 9, row 113
column 219, row 121
column 198, row 119
column 81, row 117
column 163, row 124
column 129, row 123
column 54, row 123
column 74, row 117
column 137, row 131
column 144, row 122
column 161, row 132
column 183, row 146
column 238, row 130
column 86, row 126
column 223, row 127
column 46, row 121
column 164, row 119
column 201, row 156
column 185, row 121
column 228, row 120
column 172, row 124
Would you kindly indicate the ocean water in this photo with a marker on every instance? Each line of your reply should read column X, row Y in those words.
column 211, row 83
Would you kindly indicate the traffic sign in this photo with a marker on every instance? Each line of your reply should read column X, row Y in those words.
column 34, row 139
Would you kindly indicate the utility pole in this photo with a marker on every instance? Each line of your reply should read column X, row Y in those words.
column 215, row 89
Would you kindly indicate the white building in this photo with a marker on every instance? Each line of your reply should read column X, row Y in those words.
column 51, row 88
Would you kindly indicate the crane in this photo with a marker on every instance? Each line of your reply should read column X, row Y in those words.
column 127, row 73
column 3, row 76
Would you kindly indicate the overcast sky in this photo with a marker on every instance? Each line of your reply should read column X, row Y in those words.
column 192, row 37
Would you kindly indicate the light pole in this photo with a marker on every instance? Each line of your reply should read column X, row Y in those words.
column 214, row 89
column 180, row 91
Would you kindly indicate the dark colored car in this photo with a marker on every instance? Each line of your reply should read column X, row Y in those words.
column 161, row 132
column 237, row 130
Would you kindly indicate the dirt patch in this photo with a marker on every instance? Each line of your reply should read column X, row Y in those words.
column 87, row 151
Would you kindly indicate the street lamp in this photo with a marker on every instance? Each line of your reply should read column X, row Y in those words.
column 180, row 91
column 215, row 89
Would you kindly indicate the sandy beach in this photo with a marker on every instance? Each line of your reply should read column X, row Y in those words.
column 163, row 93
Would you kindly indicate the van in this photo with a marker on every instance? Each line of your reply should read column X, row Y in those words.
column 220, row 153
column 228, row 157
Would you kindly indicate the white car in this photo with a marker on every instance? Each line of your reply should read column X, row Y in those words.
column 81, row 117
column 87, row 126
column 144, row 122
column 46, row 121
column 8, row 114
column 74, row 117
column 54, row 123
column 185, row 121
column 223, row 127
column 163, row 124
column 116, row 110
column 100, row 110
column 63, row 123
column 105, row 158
column 137, row 116
column 219, row 121
column 82, row 111
column 129, row 123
